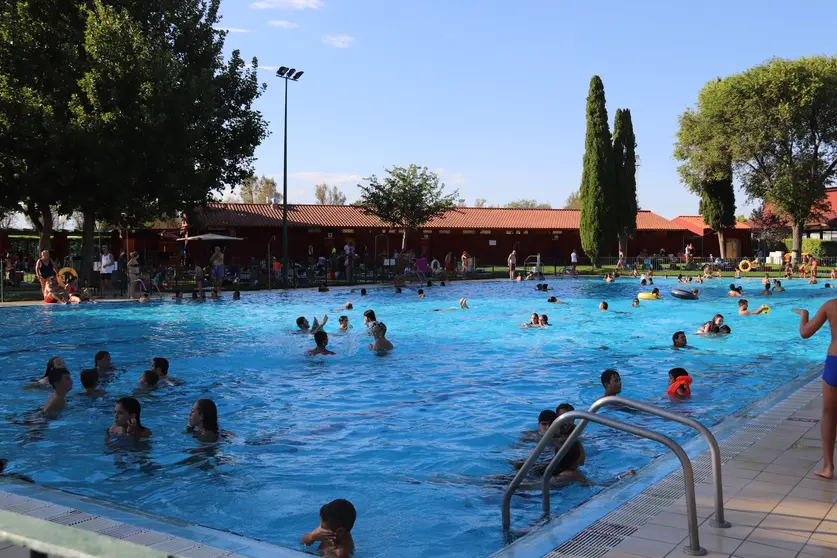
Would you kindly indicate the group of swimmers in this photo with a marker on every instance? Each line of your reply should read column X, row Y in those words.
column 377, row 329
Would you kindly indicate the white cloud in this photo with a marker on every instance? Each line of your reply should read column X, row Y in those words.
column 269, row 68
column 287, row 4
column 282, row 24
column 338, row 41
column 232, row 29
column 452, row 178
column 317, row 177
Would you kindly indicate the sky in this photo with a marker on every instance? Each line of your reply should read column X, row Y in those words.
column 491, row 93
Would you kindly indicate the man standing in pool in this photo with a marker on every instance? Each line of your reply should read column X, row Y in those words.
column 828, row 425
column 612, row 382
column 679, row 341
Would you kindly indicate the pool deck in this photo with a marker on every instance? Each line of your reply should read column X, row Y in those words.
column 777, row 507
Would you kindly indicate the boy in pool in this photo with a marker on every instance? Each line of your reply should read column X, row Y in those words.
column 379, row 332
column 334, row 533
column 149, row 380
column 103, row 364
column 567, row 429
column 743, row 305
column 603, row 306
column 236, row 295
column 90, row 382
column 545, row 420
column 344, row 323
column 777, row 286
column 635, row 303
column 421, row 293
column 321, row 339
column 679, row 383
column 766, row 291
column 160, row 366
column 62, row 383
column 828, row 286
column 612, row 382
column 363, row 292
column 733, row 291
column 305, row 327
column 554, row 300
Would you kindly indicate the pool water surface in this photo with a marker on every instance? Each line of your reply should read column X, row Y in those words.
column 420, row 439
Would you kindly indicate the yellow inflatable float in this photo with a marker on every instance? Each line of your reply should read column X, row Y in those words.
column 65, row 271
column 647, row 296
column 745, row 266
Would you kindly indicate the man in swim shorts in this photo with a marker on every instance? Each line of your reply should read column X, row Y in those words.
column 512, row 264
column 217, row 262
column 828, row 426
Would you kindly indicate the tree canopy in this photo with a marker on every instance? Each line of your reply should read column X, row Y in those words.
column 527, row 204
column 407, row 198
column 573, row 201
column 624, row 202
column 258, row 189
column 776, row 124
column 329, row 196
column 596, row 176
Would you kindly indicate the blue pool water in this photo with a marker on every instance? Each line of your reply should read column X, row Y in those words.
column 413, row 438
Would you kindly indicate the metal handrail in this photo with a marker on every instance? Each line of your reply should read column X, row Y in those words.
column 714, row 450
column 694, row 547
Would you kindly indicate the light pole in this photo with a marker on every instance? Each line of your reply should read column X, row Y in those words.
column 288, row 75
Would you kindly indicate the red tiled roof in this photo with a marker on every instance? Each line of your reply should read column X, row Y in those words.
column 222, row 215
column 695, row 224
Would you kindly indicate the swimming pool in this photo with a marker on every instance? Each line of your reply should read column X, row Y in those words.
column 413, row 438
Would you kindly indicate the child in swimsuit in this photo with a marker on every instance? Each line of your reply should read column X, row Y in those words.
column 679, row 383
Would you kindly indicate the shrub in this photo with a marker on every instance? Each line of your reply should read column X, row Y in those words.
column 815, row 247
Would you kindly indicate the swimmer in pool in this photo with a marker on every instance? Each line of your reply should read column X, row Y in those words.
column 148, row 381
column 743, row 306
column 344, row 323
column 766, row 291
column 554, row 300
column 90, row 383
column 363, row 292
column 612, row 382
column 679, row 383
column 55, row 362
column 62, row 383
column 533, row 321
column 635, row 303
column 398, row 290
column 679, row 341
column 321, row 339
column 603, row 306
column 545, row 420
column 203, row 421
column 567, row 429
column 160, row 366
column 463, row 303
column 334, row 533
column 766, row 279
column 828, row 286
column 369, row 319
column 733, row 291
column 543, row 321
column 656, row 293
column 724, row 330
column 103, row 363
column 305, row 327
column 643, row 282
column 828, row 426
column 812, row 281
column 126, row 421
column 713, row 325
column 777, row 286
column 236, row 295
column 379, row 332
column 421, row 293
column 347, row 306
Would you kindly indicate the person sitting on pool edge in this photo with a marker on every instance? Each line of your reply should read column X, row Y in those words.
column 679, row 341
column 305, row 327
column 334, row 533
column 126, row 421
column 321, row 339
column 203, row 421
column 603, row 306
column 612, row 382
column 679, row 383
column 743, row 306
column 62, row 383
column 90, row 383
column 713, row 325
column 379, row 332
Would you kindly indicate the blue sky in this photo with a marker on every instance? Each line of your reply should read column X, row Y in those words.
column 491, row 93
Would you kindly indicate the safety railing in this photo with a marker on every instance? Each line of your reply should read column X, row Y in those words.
column 714, row 449
column 586, row 417
column 44, row 538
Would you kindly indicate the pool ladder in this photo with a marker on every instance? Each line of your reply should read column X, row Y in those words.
column 589, row 416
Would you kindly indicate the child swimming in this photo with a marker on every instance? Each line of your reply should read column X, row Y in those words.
column 90, row 382
column 321, row 339
column 160, row 366
column 612, row 382
column 305, row 327
column 679, row 383
column 148, row 380
column 62, row 383
column 334, row 532
column 203, row 421
column 343, row 322
column 379, row 331
column 126, row 421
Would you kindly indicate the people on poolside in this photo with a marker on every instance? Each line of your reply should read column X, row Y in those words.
column 54, row 294
column 160, row 366
column 62, row 383
column 334, row 532
column 90, row 383
column 321, row 339
column 812, row 281
column 512, row 261
column 603, row 306
column 216, row 261
column 833, row 273
column 734, row 291
column 679, row 383
column 203, row 421
column 179, row 295
column 828, row 425
column 44, row 269
column 305, row 327
column 369, row 318
column 148, row 380
column 743, row 306
column 777, row 286
column 108, row 266
column 126, row 421
column 812, row 261
column 612, row 382
column 713, row 325
column 679, row 341
column 381, row 343
column 102, row 363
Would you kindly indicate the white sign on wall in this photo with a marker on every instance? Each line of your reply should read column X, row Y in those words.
column 492, row 243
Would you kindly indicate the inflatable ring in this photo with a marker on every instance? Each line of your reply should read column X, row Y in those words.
column 646, row 296
column 685, row 295
column 435, row 266
column 61, row 273
column 745, row 266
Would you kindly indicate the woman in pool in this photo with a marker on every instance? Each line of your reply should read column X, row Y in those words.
column 55, row 363
column 712, row 326
column 203, row 421
column 369, row 318
column 533, row 321
column 126, row 421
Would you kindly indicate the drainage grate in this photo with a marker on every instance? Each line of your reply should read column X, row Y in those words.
column 608, row 532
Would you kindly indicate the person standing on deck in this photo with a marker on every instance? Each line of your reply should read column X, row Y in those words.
column 44, row 269
column 512, row 264
column 828, row 425
column 107, row 269
column 217, row 269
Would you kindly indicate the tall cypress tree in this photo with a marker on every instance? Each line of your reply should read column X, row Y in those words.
column 717, row 202
column 597, row 175
column 624, row 161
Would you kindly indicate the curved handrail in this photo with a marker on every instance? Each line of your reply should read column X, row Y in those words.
column 714, row 449
column 586, row 417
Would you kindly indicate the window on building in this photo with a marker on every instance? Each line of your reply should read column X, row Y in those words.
column 469, row 231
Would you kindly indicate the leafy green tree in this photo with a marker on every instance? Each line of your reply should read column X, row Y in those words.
column 596, row 176
column 257, row 189
column 777, row 124
column 329, row 196
column 527, row 204
column 407, row 198
column 480, row 202
column 741, row 219
column 573, row 201
column 624, row 206
column 768, row 228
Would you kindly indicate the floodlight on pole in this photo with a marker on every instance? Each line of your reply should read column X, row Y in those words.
column 288, row 75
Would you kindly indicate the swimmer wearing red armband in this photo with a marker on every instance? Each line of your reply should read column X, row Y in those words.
column 679, row 383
